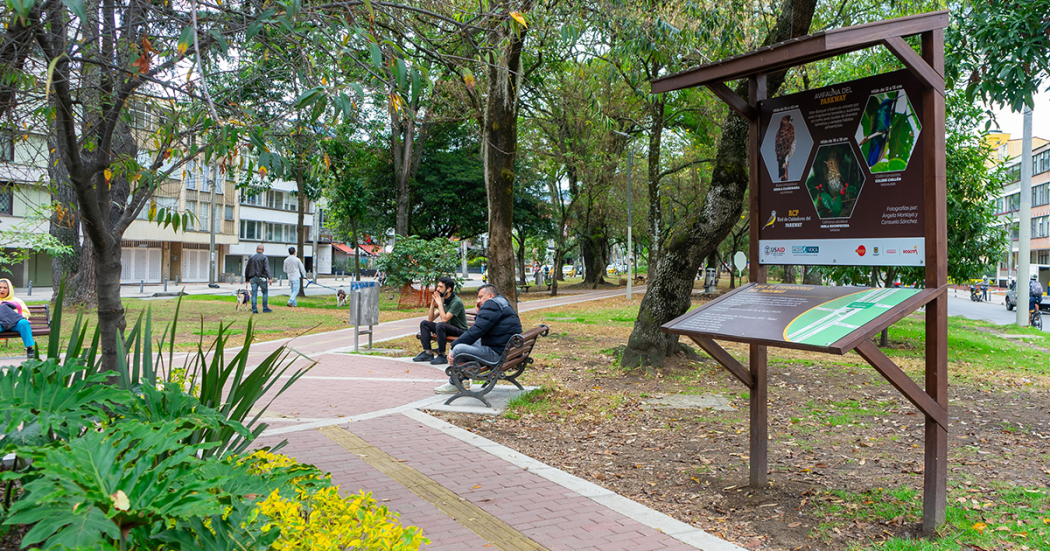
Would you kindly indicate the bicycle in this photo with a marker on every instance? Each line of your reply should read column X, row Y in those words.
column 1035, row 318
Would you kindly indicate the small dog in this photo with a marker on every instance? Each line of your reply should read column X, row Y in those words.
column 243, row 300
column 340, row 298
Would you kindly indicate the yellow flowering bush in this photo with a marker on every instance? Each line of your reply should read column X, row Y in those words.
column 319, row 519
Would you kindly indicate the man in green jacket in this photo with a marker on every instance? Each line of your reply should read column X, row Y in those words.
column 446, row 317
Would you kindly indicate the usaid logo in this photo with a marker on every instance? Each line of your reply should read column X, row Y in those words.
column 805, row 250
column 775, row 251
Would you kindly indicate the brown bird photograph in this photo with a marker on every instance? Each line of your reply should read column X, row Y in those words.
column 784, row 146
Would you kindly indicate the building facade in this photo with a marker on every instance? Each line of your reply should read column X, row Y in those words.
column 1008, row 211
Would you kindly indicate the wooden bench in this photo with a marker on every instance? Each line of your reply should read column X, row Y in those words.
column 39, row 321
column 510, row 366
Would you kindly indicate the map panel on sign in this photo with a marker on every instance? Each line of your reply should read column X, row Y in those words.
column 813, row 315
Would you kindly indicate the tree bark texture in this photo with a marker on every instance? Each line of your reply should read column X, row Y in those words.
column 789, row 274
column 300, row 236
column 656, row 128
column 499, row 148
column 670, row 285
column 812, row 275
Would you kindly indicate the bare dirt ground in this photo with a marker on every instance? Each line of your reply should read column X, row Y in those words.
column 845, row 448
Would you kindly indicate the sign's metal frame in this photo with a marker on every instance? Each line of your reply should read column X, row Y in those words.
column 929, row 69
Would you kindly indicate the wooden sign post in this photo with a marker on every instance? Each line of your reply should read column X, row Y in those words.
column 852, row 174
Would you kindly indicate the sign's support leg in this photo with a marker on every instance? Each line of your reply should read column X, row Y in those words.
column 935, row 473
column 759, row 418
column 759, row 460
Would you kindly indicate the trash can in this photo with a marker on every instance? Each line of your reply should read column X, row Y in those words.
column 364, row 309
column 709, row 280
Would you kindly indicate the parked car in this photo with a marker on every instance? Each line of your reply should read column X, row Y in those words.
column 568, row 270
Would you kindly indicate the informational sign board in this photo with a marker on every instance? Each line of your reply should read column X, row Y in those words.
column 790, row 315
column 842, row 177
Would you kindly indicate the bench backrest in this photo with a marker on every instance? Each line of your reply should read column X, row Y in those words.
column 39, row 317
column 519, row 348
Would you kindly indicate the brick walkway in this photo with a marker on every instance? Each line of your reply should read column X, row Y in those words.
column 357, row 417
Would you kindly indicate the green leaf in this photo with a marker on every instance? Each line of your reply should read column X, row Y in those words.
column 22, row 7
column 257, row 25
column 377, row 56
column 78, row 9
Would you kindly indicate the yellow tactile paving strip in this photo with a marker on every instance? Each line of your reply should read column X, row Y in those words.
column 491, row 529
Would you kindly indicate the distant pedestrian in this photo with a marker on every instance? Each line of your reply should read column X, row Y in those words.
column 293, row 268
column 258, row 273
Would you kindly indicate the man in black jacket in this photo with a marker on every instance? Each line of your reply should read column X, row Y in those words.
column 494, row 325
column 258, row 273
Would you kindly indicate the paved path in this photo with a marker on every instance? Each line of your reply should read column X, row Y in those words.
column 360, row 418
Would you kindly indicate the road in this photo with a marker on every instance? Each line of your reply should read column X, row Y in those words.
column 993, row 311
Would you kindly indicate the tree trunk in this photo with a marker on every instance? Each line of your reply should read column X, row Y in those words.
column 559, row 261
column 499, row 148
column 656, row 114
column 789, row 274
column 521, row 261
column 670, row 284
column 402, row 135
column 591, row 244
column 812, row 275
column 300, row 240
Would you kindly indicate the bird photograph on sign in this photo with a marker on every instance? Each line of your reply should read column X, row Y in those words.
column 835, row 181
column 786, row 146
column 888, row 131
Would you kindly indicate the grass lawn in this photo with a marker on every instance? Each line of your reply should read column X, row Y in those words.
column 845, row 452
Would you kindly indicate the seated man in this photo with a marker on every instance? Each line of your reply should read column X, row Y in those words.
column 447, row 316
column 495, row 323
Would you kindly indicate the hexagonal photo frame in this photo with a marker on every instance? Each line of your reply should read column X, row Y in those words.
column 835, row 181
column 786, row 146
column 888, row 132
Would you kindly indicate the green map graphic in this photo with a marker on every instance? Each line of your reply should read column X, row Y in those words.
column 824, row 324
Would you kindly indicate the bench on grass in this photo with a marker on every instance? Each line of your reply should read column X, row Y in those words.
column 449, row 338
column 39, row 321
column 516, row 357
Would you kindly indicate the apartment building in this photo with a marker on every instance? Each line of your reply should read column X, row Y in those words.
column 152, row 254
column 1008, row 206
column 270, row 216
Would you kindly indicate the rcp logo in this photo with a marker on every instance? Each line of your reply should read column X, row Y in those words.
column 805, row 250
column 913, row 250
column 861, row 250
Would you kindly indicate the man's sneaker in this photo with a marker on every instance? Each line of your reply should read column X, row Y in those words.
column 449, row 388
column 424, row 356
column 267, row 310
column 254, row 311
column 440, row 359
column 29, row 353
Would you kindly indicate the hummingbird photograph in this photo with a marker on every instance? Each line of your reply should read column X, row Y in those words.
column 887, row 132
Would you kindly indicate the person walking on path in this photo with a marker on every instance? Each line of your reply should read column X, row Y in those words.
column 495, row 323
column 14, row 315
column 258, row 272
column 447, row 317
column 294, row 269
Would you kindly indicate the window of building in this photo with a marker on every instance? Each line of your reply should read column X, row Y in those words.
column 1013, row 202
column 253, row 197
column 191, row 209
column 7, row 147
column 1013, row 173
column 1043, row 257
column 189, row 171
column 229, row 212
column 7, row 198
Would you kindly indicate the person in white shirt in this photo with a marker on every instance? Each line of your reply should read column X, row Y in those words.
column 293, row 268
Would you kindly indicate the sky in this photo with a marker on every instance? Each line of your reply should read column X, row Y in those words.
column 1012, row 123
